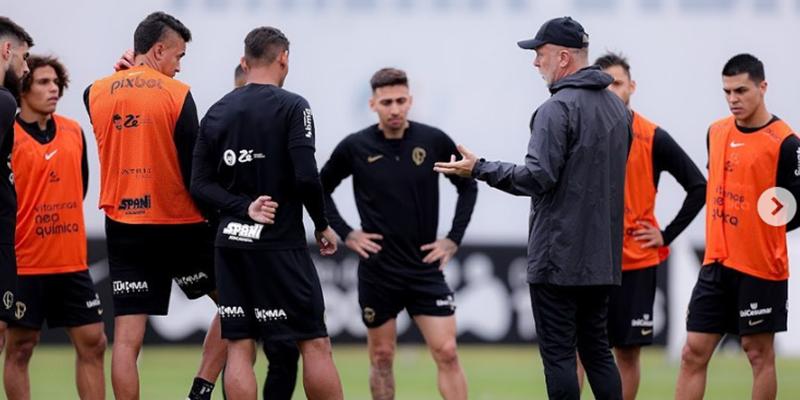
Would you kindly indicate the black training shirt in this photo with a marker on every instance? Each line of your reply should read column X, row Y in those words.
column 259, row 140
column 396, row 189
column 8, row 196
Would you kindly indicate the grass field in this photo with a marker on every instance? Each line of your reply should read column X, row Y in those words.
column 493, row 372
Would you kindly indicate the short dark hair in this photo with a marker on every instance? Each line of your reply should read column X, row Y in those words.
column 612, row 59
column 153, row 28
column 388, row 77
column 264, row 44
column 9, row 28
column 35, row 62
column 745, row 64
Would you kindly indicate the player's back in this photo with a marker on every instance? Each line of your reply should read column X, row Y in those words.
column 250, row 132
column 134, row 115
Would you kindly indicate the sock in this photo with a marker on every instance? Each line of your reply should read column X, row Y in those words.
column 201, row 389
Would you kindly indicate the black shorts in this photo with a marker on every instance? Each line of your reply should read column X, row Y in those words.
column 630, row 309
column 269, row 295
column 144, row 259
column 725, row 300
column 63, row 300
column 8, row 282
column 383, row 293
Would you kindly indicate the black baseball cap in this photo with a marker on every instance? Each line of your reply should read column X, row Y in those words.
column 563, row 31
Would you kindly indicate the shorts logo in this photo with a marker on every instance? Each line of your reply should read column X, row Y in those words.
column 8, row 299
column 136, row 205
column 231, row 312
column 754, row 311
column 270, row 315
column 446, row 302
column 418, row 155
column 369, row 315
column 646, row 332
column 243, row 232
column 124, row 287
column 754, row 323
column 94, row 302
column 20, row 311
column 191, row 279
column 644, row 322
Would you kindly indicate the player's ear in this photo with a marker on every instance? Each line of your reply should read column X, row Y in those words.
column 633, row 86
column 158, row 51
column 243, row 64
column 372, row 102
column 284, row 58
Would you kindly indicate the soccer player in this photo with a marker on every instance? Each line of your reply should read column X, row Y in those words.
column 742, row 287
column 282, row 355
column 14, row 45
column 51, row 177
column 397, row 196
column 259, row 139
column 146, row 124
column 574, row 173
column 652, row 151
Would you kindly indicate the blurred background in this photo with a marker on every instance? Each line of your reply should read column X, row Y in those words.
column 470, row 79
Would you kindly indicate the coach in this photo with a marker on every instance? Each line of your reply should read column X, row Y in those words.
column 574, row 173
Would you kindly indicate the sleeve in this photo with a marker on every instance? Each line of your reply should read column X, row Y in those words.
column 788, row 176
column 467, row 190
column 301, row 151
column 84, row 167
column 338, row 167
column 8, row 109
column 669, row 156
column 86, row 101
column 546, row 156
column 204, row 185
column 185, row 137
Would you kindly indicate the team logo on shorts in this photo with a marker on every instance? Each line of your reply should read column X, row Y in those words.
column 94, row 302
column 276, row 314
column 644, row 322
column 20, row 311
column 447, row 302
column 8, row 299
column 754, row 311
column 369, row 315
column 418, row 155
column 231, row 312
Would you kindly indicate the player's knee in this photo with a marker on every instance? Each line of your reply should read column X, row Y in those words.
column 446, row 354
column 382, row 356
column 758, row 355
column 627, row 355
column 693, row 356
column 21, row 351
column 93, row 346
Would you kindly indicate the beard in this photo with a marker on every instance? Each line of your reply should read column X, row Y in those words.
column 13, row 83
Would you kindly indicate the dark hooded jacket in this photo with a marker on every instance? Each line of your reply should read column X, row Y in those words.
column 574, row 173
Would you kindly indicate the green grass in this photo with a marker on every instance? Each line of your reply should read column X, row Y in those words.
column 493, row 372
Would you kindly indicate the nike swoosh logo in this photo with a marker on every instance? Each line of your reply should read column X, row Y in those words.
column 372, row 159
column 50, row 155
column 754, row 323
column 646, row 332
column 735, row 145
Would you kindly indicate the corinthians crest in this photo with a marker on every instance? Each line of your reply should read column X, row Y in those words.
column 20, row 311
column 418, row 155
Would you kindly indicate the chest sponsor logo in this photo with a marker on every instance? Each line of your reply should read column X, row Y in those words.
column 52, row 177
column 797, row 171
column 125, row 287
column 239, row 232
column 135, row 205
column 418, row 155
column 245, row 156
column 754, row 311
column 48, row 156
column 263, row 315
column 231, row 312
